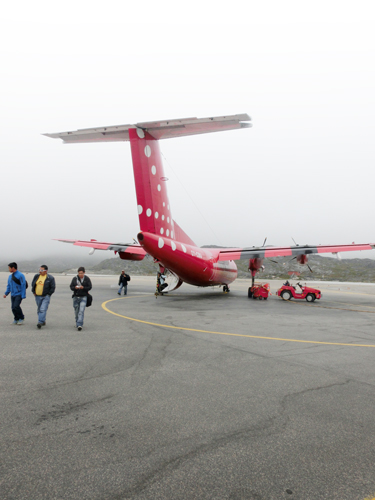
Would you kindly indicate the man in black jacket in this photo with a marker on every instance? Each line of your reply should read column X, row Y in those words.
column 80, row 286
column 123, row 282
column 43, row 286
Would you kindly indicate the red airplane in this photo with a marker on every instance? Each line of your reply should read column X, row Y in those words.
column 160, row 236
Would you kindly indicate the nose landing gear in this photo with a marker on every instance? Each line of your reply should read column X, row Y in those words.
column 226, row 289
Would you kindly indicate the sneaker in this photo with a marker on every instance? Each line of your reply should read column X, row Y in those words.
column 79, row 328
column 118, row 293
column 20, row 322
column 15, row 322
column 39, row 325
column 44, row 323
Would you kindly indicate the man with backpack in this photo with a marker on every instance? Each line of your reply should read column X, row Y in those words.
column 123, row 282
column 43, row 286
column 80, row 286
column 16, row 287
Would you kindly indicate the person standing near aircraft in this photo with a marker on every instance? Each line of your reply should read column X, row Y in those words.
column 43, row 286
column 123, row 282
column 160, row 283
column 80, row 286
column 16, row 287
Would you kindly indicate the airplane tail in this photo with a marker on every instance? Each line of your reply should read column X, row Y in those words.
column 151, row 189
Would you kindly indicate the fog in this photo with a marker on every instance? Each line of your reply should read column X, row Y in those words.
column 303, row 72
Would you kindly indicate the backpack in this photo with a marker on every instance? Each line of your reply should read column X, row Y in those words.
column 17, row 281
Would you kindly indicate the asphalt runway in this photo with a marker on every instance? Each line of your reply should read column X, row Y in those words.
column 194, row 395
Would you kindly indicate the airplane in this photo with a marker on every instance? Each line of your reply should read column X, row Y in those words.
column 160, row 236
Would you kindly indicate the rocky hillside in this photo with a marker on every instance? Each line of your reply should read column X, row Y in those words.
column 324, row 268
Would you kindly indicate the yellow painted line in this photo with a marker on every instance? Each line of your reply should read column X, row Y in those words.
column 171, row 327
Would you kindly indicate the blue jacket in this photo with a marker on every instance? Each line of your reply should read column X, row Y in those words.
column 13, row 288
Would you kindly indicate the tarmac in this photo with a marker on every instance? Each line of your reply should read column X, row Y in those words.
column 194, row 395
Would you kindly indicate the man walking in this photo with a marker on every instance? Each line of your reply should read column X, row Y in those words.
column 16, row 287
column 123, row 282
column 43, row 286
column 80, row 286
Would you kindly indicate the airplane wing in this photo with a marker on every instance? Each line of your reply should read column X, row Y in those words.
column 127, row 251
column 293, row 251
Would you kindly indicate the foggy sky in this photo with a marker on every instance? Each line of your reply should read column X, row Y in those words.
column 303, row 71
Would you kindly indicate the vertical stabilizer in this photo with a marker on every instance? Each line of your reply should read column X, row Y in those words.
column 154, row 210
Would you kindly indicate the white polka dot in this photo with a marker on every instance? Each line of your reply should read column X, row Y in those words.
column 159, row 187
column 153, row 170
column 148, row 151
column 172, row 222
column 140, row 133
column 161, row 243
column 162, row 217
column 163, row 204
column 140, row 209
column 162, row 230
column 173, row 244
column 172, row 235
column 156, row 215
column 148, row 212
column 183, row 247
column 168, row 207
column 167, row 232
column 168, row 220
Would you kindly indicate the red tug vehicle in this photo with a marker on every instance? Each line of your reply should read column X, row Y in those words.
column 288, row 291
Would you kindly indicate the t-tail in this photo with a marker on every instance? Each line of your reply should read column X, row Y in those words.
column 154, row 210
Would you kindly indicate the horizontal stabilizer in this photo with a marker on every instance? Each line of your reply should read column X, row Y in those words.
column 165, row 129
column 135, row 251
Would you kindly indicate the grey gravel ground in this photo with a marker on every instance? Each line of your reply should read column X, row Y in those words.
column 128, row 409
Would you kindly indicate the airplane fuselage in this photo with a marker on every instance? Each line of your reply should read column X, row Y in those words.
column 193, row 265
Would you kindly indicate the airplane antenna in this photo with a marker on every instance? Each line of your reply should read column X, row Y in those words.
column 264, row 242
column 191, row 199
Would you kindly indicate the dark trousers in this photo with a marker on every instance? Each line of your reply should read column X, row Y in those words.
column 16, row 307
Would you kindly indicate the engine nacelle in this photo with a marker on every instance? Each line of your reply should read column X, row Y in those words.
column 302, row 259
column 255, row 265
column 130, row 256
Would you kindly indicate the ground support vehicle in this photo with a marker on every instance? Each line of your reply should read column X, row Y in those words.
column 288, row 291
column 259, row 291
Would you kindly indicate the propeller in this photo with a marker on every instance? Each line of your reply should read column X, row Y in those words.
column 311, row 271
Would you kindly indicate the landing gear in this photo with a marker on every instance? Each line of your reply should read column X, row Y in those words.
column 226, row 289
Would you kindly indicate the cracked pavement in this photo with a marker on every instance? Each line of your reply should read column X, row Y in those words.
column 127, row 410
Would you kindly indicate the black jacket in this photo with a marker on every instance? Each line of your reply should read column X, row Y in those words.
column 49, row 285
column 124, row 278
column 86, row 286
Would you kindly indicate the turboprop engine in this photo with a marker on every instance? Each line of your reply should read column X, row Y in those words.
column 302, row 259
column 255, row 265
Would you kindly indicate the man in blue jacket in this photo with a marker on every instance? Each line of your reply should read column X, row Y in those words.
column 17, row 289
